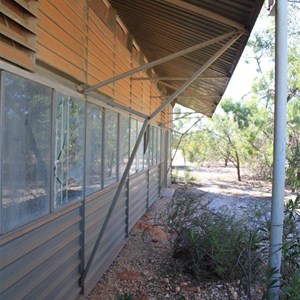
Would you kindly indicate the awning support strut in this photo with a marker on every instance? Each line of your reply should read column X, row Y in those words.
column 135, row 149
column 159, row 61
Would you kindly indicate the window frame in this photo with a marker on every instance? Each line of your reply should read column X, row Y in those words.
column 66, row 88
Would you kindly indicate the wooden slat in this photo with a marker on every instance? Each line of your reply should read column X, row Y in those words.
column 56, row 16
column 77, row 45
column 78, row 7
column 17, row 56
column 30, row 24
column 60, row 50
column 59, row 63
column 77, row 20
column 20, row 39
column 100, row 24
column 101, row 54
column 95, row 27
column 99, row 65
column 31, row 6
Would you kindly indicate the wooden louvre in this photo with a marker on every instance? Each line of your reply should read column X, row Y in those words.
column 18, row 29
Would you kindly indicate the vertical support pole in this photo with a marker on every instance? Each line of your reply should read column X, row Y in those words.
column 281, row 56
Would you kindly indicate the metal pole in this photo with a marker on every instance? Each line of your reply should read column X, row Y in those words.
column 160, row 61
column 135, row 149
column 281, row 56
column 175, row 78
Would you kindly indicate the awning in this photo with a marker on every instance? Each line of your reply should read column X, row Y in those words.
column 163, row 27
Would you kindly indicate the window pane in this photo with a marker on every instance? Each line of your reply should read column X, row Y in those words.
column 133, row 138
column 146, row 147
column 110, row 147
column 93, row 149
column 140, row 153
column 150, row 146
column 68, row 170
column 124, row 143
column 158, row 144
column 26, row 151
column 154, row 145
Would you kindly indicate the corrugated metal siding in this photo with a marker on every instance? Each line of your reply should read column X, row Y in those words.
column 138, row 195
column 154, row 184
column 96, row 210
column 43, row 263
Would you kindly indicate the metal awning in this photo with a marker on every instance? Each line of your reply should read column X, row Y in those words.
column 163, row 27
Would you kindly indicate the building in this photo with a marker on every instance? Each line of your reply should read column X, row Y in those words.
column 87, row 89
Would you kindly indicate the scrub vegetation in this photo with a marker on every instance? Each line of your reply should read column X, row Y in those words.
column 240, row 134
column 221, row 244
column 241, row 131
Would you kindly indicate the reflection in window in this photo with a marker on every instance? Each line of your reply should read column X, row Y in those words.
column 158, row 144
column 93, row 149
column 26, row 148
column 146, row 147
column 133, row 138
column 124, row 144
column 68, row 170
column 110, row 147
column 140, row 152
column 154, row 145
column 150, row 147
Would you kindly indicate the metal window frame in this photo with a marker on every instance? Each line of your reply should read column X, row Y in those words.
column 1, row 143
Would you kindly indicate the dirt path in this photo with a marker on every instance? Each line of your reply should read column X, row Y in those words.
column 145, row 267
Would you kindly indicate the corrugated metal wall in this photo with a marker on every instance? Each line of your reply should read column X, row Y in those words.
column 44, row 262
column 154, row 183
column 137, row 198
column 95, row 212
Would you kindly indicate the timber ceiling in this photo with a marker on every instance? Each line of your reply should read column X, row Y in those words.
column 162, row 27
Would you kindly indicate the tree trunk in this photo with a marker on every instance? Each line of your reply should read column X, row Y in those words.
column 238, row 166
column 226, row 161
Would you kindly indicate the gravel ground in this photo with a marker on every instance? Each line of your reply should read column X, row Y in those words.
column 145, row 267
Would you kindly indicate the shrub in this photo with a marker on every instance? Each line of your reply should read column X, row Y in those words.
column 124, row 296
column 213, row 244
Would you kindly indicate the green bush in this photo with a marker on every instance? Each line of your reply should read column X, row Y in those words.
column 124, row 296
column 217, row 244
column 213, row 244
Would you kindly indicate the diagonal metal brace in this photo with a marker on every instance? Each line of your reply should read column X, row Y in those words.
column 158, row 61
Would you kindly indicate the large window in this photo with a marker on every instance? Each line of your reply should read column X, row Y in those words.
column 26, row 144
column 110, row 147
column 94, row 135
column 43, row 143
column 69, row 150
column 133, row 138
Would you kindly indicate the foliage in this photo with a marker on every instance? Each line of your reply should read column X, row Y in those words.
column 124, row 296
column 241, row 132
column 218, row 244
column 290, row 269
column 213, row 243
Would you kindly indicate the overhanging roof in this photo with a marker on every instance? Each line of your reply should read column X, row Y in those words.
column 162, row 27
